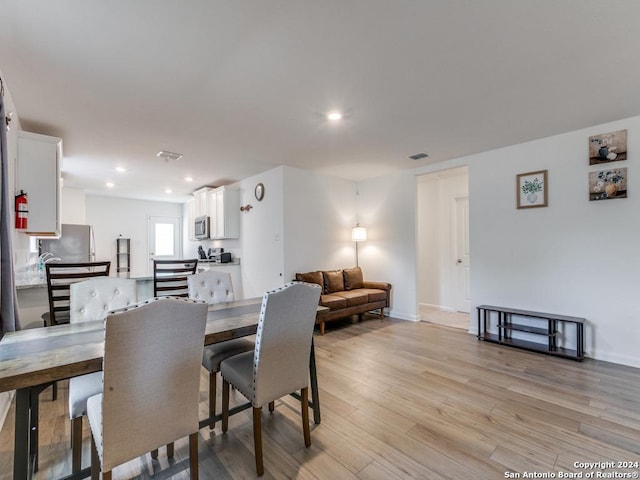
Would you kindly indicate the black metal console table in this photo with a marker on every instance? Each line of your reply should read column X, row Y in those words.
column 543, row 324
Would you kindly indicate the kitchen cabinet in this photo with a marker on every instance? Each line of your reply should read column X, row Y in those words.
column 224, row 211
column 191, row 217
column 39, row 161
column 201, row 202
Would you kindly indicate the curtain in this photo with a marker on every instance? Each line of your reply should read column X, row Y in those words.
column 9, row 320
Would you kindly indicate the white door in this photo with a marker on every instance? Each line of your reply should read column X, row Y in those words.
column 462, row 267
column 164, row 239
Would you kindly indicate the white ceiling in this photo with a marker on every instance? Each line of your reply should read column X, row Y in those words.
column 240, row 86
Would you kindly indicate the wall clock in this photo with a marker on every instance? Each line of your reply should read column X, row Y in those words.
column 259, row 191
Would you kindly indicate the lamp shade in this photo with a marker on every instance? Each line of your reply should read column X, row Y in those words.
column 358, row 233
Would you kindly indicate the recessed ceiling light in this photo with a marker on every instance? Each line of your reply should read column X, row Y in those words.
column 121, row 169
column 188, row 179
column 110, row 184
column 168, row 190
column 334, row 116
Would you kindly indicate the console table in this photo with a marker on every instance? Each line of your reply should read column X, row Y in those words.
column 542, row 324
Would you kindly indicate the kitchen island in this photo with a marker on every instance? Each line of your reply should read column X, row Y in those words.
column 33, row 300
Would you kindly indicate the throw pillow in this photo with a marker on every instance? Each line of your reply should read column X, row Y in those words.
column 353, row 278
column 311, row 277
column 333, row 281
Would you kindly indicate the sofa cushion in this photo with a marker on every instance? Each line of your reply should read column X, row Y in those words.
column 353, row 297
column 333, row 302
column 374, row 294
column 333, row 281
column 353, row 278
column 311, row 277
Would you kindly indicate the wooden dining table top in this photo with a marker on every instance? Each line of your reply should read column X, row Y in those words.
column 42, row 355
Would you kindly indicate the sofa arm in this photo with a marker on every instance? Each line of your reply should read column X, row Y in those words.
column 381, row 286
column 378, row 285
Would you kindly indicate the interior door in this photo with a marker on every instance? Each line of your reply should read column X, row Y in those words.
column 462, row 269
column 164, row 239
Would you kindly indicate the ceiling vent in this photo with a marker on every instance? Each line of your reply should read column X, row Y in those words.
column 169, row 156
column 418, row 156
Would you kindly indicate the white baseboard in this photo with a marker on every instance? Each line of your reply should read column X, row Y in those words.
column 437, row 307
column 404, row 316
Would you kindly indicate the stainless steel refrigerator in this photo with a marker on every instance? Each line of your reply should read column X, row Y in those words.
column 74, row 245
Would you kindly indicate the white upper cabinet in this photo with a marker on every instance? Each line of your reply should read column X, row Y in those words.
column 38, row 167
column 224, row 210
column 201, row 202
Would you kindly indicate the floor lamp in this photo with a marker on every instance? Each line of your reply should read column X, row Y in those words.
column 358, row 234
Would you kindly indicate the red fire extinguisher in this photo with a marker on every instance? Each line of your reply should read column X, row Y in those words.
column 22, row 210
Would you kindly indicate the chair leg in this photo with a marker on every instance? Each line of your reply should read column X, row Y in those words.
column 154, row 454
column 54, row 392
column 304, row 405
column 106, row 475
column 170, row 450
column 257, row 439
column 95, row 461
column 76, row 444
column 225, row 405
column 193, row 455
column 212, row 398
column 272, row 406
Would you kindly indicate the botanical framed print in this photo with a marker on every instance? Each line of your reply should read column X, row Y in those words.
column 608, row 184
column 608, row 147
column 531, row 189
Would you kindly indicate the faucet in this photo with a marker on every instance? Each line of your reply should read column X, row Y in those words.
column 54, row 259
column 44, row 256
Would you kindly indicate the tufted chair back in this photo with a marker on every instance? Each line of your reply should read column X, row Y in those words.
column 93, row 299
column 211, row 286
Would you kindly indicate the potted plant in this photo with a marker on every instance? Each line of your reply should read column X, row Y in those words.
column 531, row 188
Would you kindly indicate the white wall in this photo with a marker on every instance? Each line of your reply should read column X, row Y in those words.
column 73, row 206
column 574, row 257
column 436, row 193
column 262, row 230
column 387, row 208
column 318, row 216
column 302, row 224
column 113, row 216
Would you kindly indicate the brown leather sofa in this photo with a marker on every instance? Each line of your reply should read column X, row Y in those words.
column 345, row 293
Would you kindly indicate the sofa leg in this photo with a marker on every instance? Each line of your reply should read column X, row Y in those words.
column 382, row 313
column 321, row 328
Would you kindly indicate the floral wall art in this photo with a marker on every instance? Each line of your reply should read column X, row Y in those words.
column 532, row 189
column 608, row 147
column 608, row 184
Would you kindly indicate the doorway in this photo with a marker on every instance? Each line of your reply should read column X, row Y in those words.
column 444, row 261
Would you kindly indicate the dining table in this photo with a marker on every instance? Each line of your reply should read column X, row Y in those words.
column 32, row 359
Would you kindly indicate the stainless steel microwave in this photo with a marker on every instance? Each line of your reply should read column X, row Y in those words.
column 201, row 227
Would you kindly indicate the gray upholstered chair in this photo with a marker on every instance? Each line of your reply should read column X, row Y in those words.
column 280, row 363
column 151, row 381
column 216, row 287
column 92, row 300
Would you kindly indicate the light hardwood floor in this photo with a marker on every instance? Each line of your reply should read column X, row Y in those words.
column 407, row 400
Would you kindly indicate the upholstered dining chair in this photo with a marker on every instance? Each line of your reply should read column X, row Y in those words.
column 170, row 277
column 279, row 364
column 92, row 300
column 216, row 287
column 60, row 276
column 151, row 380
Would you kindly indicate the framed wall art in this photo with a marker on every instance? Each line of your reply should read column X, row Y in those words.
column 531, row 189
column 608, row 147
column 608, row 184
